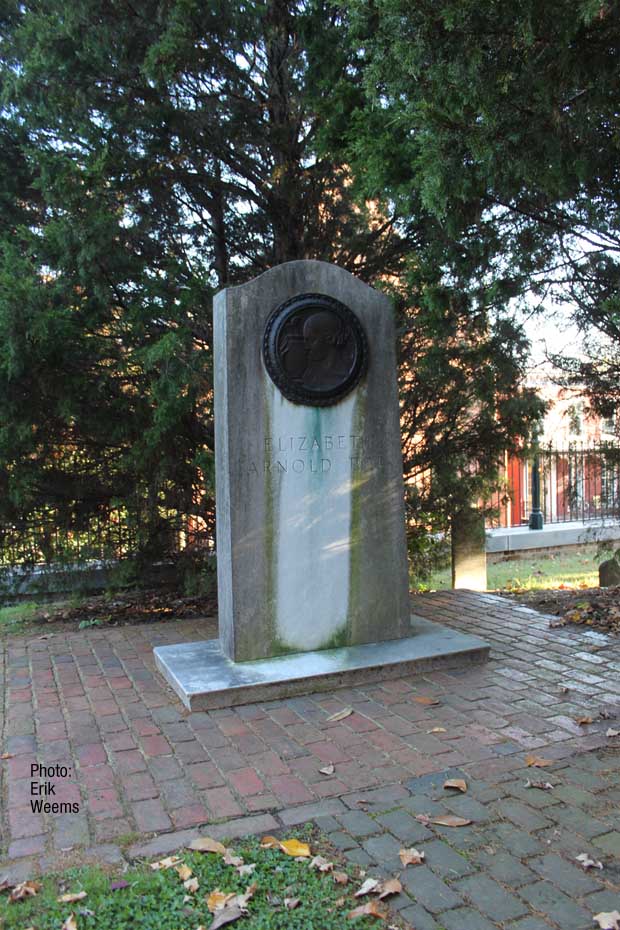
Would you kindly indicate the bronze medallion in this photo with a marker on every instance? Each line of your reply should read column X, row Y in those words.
column 314, row 349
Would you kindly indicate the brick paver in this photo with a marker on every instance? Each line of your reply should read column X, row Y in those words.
column 138, row 763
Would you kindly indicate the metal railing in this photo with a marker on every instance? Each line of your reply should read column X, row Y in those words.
column 577, row 483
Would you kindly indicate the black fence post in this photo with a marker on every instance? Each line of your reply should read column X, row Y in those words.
column 536, row 521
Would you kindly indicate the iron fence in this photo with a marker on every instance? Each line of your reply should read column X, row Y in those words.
column 578, row 483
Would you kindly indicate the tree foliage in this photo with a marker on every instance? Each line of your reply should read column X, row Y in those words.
column 158, row 152
column 502, row 120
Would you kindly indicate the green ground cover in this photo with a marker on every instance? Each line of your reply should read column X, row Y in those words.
column 572, row 568
column 148, row 899
column 14, row 618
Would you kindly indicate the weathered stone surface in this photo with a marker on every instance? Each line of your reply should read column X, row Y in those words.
column 469, row 558
column 310, row 530
column 609, row 573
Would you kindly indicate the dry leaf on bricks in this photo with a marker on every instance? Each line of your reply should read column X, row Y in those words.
column 340, row 715
column 390, row 886
column 427, row 701
column 411, row 856
column 457, row 783
column 587, row 862
column 608, row 920
column 537, row 762
column 437, row 730
column 612, row 732
column 328, row 769
column 542, row 785
column 449, row 820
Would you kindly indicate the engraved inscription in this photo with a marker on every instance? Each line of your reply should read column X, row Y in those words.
column 333, row 454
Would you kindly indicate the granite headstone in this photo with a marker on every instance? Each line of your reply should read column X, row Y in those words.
column 311, row 549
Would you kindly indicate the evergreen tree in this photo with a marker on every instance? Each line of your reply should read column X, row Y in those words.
column 161, row 151
column 501, row 120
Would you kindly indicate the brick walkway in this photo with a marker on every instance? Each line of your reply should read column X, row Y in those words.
column 139, row 764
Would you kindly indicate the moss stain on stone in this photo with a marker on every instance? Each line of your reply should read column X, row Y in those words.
column 354, row 614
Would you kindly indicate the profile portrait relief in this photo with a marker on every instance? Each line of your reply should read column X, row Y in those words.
column 314, row 349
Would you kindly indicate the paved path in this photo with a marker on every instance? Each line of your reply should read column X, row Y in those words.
column 139, row 764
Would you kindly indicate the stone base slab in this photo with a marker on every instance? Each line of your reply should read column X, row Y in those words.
column 206, row 679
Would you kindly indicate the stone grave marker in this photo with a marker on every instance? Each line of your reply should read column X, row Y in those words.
column 311, row 549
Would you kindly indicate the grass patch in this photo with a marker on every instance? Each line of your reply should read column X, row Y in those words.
column 574, row 568
column 158, row 899
column 13, row 619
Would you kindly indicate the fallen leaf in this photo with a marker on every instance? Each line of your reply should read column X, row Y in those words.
column 423, row 818
column 371, row 909
column 611, row 732
column 608, row 920
column 457, row 783
column 369, row 887
column 246, row 869
column 606, row 714
column 6, row 755
column 340, row 715
column 563, row 689
column 70, row 923
column 341, row 878
column 291, row 903
column 117, row 885
column 437, row 730
column 543, row 785
column 169, row 862
column 449, row 820
column 227, row 915
column 242, row 899
column 269, row 842
column 24, row 890
column 391, row 886
column 340, row 902
column 191, row 885
column 411, row 856
column 322, row 864
column 206, row 844
column 588, row 863
column 537, row 762
column 184, row 872
column 328, row 770
column 71, row 898
column 219, row 899
column 295, row 848
column 363, row 802
column 428, row 701
column 231, row 859
column 583, row 721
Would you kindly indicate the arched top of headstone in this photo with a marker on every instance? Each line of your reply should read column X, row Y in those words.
column 310, row 269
